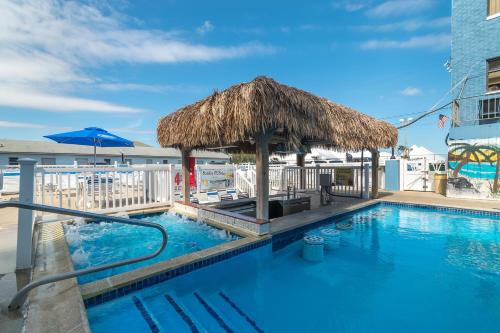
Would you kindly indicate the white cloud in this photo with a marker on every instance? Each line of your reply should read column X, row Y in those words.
column 32, row 99
column 46, row 46
column 399, row 7
column 411, row 91
column 351, row 5
column 408, row 25
column 152, row 88
column 12, row 124
column 134, row 128
column 206, row 27
column 130, row 130
column 433, row 42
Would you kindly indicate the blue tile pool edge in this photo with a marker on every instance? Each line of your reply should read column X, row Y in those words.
column 462, row 211
column 278, row 242
column 170, row 274
column 283, row 239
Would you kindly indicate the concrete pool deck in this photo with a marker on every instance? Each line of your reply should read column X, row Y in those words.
column 58, row 292
column 343, row 205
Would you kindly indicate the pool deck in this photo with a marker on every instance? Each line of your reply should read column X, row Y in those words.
column 343, row 205
column 67, row 293
column 429, row 198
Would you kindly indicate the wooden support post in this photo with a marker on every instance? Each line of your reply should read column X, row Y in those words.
column 262, row 175
column 301, row 162
column 375, row 165
column 186, row 186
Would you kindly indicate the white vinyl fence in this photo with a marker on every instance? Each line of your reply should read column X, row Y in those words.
column 102, row 188
column 244, row 183
column 347, row 180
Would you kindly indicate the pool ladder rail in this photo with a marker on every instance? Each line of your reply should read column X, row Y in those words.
column 20, row 296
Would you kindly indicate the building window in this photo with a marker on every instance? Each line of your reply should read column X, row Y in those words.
column 165, row 161
column 13, row 161
column 128, row 161
column 107, row 161
column 149, row 161
column 489, row 109
column 494, row 74
column 493, row 7
column 48, row 161
column 82, row 161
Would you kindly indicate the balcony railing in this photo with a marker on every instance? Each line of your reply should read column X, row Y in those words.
column 476, row 110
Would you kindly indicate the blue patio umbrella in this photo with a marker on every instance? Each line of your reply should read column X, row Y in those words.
column 91, row 136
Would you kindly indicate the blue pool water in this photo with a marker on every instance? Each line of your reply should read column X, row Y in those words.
column 100, row 243
column 400, row 270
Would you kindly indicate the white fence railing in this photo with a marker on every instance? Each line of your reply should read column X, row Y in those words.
column 244, row 183
column 104, row 187
column 347, row 178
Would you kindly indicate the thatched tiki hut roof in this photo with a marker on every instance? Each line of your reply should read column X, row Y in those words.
column 236, row 115
column 263, row 113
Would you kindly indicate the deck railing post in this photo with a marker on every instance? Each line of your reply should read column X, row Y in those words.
column 25, row 216
column 318, row 187
column 366, row 181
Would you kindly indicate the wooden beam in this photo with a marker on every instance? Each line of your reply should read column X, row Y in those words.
column 301, row 162
column 375, row 165
column 262, row 175
column 186, row 186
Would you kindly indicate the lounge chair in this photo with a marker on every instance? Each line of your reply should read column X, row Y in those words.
column 243, row 195
column 212, row 196
column 226, row 197
column 232, row 192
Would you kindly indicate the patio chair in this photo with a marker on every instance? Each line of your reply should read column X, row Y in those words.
column 243, row 195
column 98, row 185
column 232, row 192
column 212, row 196
column 226, row 197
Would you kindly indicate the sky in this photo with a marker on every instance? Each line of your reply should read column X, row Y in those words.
column 121, row 65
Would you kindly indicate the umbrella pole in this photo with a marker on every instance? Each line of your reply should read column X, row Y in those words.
column 95, row 152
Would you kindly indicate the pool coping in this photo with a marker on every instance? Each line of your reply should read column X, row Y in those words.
column 45, row 303
column 443, row 207
column 241, row 222
column 115, row 286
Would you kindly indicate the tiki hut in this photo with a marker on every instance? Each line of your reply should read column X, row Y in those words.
column 264, row 115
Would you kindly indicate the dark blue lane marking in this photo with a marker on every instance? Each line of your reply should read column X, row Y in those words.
column 214, row 314
column 241, row 312
column 181, row 313
column 145, row 314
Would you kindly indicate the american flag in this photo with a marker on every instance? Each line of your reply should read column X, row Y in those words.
column 442, row 119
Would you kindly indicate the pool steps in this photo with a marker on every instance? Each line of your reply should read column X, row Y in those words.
column 193, row 312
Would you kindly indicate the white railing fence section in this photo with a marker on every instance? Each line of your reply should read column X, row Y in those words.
column 243, row 183
column 104, row 187
column 348, row 179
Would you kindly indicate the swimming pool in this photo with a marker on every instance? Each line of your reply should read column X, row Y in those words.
column 92, row 244
column 399, row 269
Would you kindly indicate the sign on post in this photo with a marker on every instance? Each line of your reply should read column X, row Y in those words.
column 215, row 177
column 344, row 176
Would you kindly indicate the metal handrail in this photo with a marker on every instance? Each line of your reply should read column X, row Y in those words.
column 18, row 299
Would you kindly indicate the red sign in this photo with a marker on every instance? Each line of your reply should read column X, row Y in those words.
column 192, row 175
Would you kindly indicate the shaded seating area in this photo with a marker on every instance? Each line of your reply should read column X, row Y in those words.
column 263, row 116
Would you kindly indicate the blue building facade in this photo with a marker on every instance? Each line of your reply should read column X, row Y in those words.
column 474, row 135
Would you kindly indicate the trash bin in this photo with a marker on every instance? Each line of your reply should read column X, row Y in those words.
column 440, row 180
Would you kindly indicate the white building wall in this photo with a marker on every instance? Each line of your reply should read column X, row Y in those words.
column 65, row 159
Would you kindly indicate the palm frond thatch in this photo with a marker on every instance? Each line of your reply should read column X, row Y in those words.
column 236, row 115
